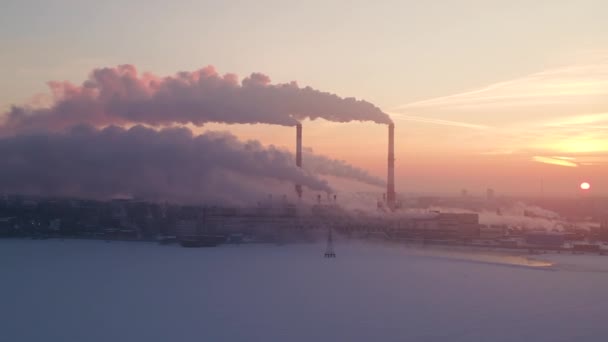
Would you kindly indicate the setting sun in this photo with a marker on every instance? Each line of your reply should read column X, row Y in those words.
column 585, row 186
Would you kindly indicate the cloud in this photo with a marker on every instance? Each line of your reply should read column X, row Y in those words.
column 451, row 123
column 581, row 120
column 560, row 161
column 562, row 110
column 561, row 85
column 565, row 91
column 122, row 95
column 170, row 164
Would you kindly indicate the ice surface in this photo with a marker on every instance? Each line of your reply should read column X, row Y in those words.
column 74, row 290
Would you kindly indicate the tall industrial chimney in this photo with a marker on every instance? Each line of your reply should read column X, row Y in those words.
column 299, row 155
column 390, row 184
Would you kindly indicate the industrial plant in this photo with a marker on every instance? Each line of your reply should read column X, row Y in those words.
column 311, row 217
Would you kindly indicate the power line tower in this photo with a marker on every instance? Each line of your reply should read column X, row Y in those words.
column 329, row 251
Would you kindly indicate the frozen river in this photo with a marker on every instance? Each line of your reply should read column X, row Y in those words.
column 129, row 291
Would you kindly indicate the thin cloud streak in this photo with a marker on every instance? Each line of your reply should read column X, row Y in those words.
column 581, row 119
column 435, row 121
column 560, row 111
column 579, row 84
column 554, row 161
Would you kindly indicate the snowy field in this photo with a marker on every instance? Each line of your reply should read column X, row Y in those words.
column 132, row 291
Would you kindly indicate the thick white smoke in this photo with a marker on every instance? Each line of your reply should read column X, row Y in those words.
column 168, row 164
column 121, row 95
column 333, row 167
column 60, row 149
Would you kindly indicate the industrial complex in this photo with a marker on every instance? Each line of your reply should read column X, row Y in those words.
column 279, row 220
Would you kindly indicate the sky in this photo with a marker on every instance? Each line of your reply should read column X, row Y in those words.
column 500, row 94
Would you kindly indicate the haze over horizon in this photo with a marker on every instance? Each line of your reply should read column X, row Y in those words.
column 482, row 93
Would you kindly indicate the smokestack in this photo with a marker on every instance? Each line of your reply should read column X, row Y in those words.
column 390, row 184
column 299, row 155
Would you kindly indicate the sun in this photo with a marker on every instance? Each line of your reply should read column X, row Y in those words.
column 585, row 186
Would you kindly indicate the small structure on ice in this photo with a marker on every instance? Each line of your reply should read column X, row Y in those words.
column 329, row 251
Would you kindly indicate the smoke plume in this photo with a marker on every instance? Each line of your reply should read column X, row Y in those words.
column 170, row 164
column 338, row 168
column 121, row 95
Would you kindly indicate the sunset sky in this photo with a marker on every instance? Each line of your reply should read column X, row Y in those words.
column 496, row 94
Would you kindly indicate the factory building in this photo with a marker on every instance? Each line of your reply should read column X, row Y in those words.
column 545, row 239
column 493, row 231
column 604, row 228
column 438, row 225
column 490, row 194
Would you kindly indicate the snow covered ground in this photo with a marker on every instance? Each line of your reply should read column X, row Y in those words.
column 74, row 290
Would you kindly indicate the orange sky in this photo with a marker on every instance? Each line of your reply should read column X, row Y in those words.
column 551, row 124
column 445, row 163
column 483, row 93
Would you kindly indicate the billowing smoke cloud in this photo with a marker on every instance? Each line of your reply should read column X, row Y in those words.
column 170, row 164
column 117, row 96
column 338, row 168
